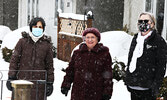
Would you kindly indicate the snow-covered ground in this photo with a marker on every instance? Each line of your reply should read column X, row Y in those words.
column 118, row 43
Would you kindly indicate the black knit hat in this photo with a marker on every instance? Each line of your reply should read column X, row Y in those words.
column 95, row 31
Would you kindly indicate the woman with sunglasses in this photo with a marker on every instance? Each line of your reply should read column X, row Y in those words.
column 89, row 70
column 146, row 60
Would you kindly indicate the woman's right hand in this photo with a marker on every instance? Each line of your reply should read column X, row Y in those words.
column 64, row 90
column 8, row 83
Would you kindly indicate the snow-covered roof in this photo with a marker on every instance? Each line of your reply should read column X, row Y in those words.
column 73, row 16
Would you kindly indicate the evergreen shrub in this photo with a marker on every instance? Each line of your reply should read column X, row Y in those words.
column 6, row 53
column 118, row 69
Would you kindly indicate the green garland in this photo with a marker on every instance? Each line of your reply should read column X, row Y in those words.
column 7, row 53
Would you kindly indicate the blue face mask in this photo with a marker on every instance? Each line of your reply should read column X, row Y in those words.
column 37, row 32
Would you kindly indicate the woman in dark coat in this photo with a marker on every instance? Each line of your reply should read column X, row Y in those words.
column 89, row 70
column 146, row 61
column 33, row 52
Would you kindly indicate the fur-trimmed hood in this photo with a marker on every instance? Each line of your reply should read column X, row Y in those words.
column 43, row 38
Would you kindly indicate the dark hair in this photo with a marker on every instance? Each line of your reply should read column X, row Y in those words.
column 34, row 21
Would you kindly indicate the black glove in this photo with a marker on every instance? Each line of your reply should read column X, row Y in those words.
column 106, row 97
column 64, row 90
column 155, row 92
column 8, row 83
column 154, row 89
column 49, row 88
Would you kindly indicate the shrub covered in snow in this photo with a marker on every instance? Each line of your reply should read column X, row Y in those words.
column 13, row 37
column 163, row 89
column 9, row 42
column 3, row 31
column 118, row 69
column 7, row 53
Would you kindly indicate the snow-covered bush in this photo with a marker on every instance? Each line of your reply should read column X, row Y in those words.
column 10, row 40
column 163, row 89
column 7, row 53
column 3, row 31
column 118, row 69
column 118, row 43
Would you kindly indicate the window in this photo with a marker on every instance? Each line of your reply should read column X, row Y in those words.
column 62, row 5
column 33, row 10
column 160, row 15
column 28, row 11
column 56, row 8
column 148, row 6
column 157, row 8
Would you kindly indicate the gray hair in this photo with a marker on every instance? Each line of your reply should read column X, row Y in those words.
column 152, row 18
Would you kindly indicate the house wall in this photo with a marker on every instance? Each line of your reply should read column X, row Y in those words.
column 108, row 14
column 132, row 9
column 9, row 13
column 47, row 11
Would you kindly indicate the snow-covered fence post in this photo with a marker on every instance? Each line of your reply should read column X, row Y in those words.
column 22, row 89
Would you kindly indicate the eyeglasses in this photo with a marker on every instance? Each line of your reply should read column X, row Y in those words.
column 92, row 38
column 143, row 21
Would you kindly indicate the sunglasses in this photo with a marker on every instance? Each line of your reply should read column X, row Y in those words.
column 143, row 21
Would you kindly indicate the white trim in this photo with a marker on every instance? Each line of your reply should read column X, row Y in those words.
column 145, row 5
column 154, row 7
column 55, row 12
column 30, row 9
column 35, row 8
column 164, row 30
column 20, row 14
column 74, row 6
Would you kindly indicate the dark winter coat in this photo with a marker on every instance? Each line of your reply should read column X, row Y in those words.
column 29, row 55
column 90, row 72
column 151, row 66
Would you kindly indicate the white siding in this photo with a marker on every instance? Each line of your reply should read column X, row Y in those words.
column 132, row 9
column 22, row 13
column 46, row 10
